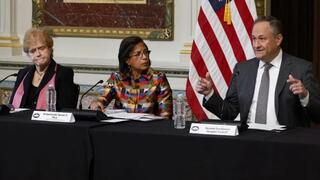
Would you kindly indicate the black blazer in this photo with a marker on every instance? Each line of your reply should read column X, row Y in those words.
column 289, row 110
column 67, row 95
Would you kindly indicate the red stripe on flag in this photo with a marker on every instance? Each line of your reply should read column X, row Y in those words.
column 199, row 64
column 198, row 61
column 194, row 104
column 233, row 38
column 215, row 47
column 246, row 16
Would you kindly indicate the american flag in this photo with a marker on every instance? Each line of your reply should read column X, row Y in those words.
column 222, row 39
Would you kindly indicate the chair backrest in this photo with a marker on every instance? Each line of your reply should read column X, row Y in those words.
column 76, row 92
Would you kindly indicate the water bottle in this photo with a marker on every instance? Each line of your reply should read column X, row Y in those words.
column 51, row 98
column 179, row 115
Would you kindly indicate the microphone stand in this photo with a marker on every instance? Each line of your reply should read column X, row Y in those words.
column 5, row 109
column 14, row 74
column 80, row 102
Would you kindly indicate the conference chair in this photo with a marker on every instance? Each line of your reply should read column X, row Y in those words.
column 76, row 92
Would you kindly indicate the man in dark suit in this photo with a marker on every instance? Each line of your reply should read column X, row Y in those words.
column 293, row 96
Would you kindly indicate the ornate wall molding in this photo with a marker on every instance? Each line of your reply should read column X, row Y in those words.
column 263, row 7
column 152, row 20
column 10, row 41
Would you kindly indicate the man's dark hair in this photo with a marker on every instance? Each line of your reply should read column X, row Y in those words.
column 275, row 24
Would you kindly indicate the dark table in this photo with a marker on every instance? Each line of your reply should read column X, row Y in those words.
column 155, row 150
column 34, row 150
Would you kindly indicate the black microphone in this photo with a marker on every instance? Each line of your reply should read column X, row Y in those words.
column 80, row 103
column 6, row 108
column 221, row 111
column 14, row 74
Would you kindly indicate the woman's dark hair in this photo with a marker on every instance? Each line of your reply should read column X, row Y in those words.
column 126, row 46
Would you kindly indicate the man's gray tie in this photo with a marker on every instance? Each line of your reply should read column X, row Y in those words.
column 262, row 103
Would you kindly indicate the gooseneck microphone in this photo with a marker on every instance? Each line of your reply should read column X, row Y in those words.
column 221, row 112
column 5, row 109
column 80, row 103
column 14, row 74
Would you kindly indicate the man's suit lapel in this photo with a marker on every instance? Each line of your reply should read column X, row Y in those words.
column 251, row 76
column 282, row 79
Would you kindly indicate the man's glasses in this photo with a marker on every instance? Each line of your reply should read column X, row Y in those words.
column 141, row 53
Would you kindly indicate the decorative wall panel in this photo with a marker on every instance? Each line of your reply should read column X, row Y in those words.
column 150, row 19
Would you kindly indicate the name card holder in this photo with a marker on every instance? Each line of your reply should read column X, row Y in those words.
column 50, row 116
column 214, row 129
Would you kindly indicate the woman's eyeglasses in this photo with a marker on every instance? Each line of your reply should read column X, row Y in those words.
column 141, row 53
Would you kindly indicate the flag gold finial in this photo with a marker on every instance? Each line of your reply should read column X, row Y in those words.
column 227, row 13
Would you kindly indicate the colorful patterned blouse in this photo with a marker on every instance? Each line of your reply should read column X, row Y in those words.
column 151, row 93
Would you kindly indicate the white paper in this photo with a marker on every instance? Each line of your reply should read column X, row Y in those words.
column 134, row 116
column 19, row 109
column 113, row 111
column 266, row 127
column 114, row 120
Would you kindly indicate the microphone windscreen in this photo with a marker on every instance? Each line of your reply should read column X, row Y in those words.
column 4, row 109
column 87, row 115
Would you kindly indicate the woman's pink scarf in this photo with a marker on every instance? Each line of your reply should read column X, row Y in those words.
column 41, row 103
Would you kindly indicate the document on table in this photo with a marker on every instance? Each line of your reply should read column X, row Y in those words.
column 113, row 111
column 266, row 127
column 119, row 115
column 108, row 112
column 114, row 120
column 135, row 116
column 19, row 110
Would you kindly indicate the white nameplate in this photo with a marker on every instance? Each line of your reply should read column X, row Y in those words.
column 214, row 129
column 53, row 116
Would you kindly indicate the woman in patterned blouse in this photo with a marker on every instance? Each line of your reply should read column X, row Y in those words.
column 137, row 87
